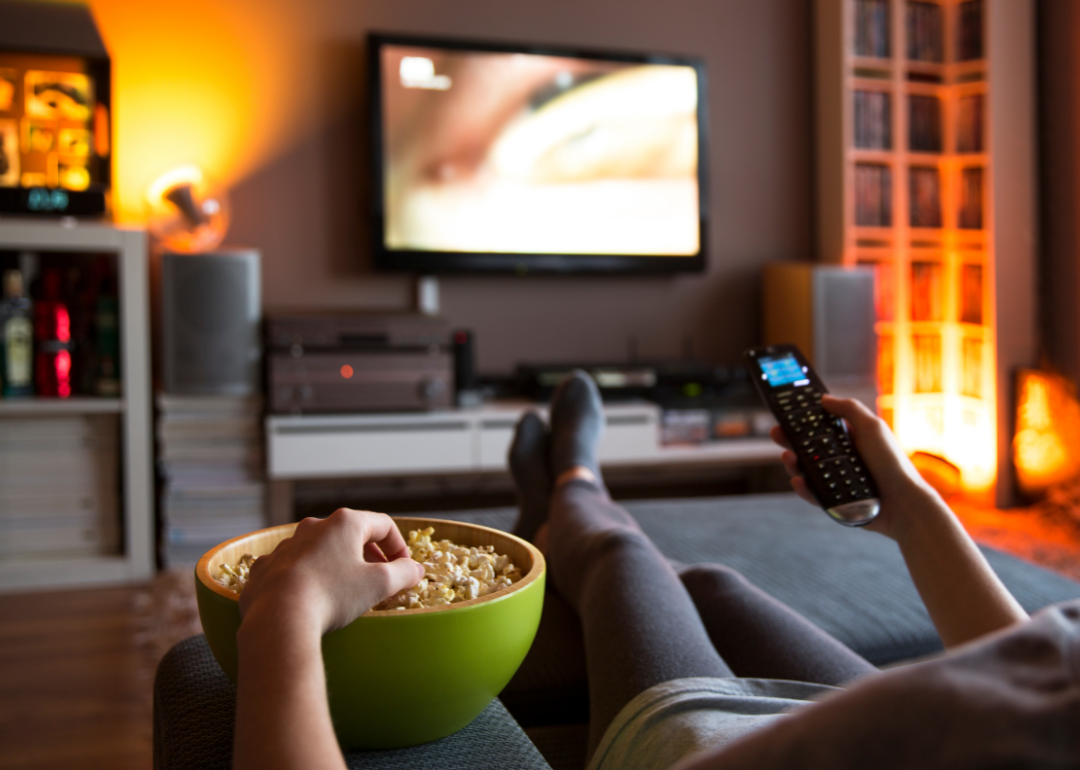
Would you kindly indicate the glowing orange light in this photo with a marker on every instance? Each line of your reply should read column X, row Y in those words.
column 101, row 130
column 937, row 349
column 206, row 84
column 188, row 212
column 188, row 174
column 1046, row 449
column 346, row 371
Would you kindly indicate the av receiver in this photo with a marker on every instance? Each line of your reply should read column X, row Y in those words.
column 358, row 363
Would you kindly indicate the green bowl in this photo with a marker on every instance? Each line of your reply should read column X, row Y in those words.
column 401, row 677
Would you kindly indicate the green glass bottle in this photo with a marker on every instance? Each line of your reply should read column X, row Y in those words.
column 16, row 338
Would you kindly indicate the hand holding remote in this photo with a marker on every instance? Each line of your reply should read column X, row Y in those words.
column 899, row 484
column 830, row 465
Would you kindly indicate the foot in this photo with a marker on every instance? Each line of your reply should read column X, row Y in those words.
column 577, row 421
column 529, row 466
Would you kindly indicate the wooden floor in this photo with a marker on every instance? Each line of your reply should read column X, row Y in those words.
column 75, row 684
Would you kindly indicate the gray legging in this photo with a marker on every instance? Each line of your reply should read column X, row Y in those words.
column 645, row 624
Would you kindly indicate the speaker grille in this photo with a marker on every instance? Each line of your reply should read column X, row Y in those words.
column 845, row 345
column 211, row 323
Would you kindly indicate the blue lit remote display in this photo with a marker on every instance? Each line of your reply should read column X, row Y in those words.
column 784, row 370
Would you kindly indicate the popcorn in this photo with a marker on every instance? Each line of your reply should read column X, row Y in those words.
column 452, row 573
column 236, row 576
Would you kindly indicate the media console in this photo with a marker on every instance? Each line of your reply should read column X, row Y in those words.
column 463, row 441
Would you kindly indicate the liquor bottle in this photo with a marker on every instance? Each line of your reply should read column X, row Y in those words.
column 107, row 340
column 16, row 338
column 83, row 307
column 52, row 340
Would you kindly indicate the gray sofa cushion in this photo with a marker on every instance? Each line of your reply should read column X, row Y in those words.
column 850, row 582
column 195, row 706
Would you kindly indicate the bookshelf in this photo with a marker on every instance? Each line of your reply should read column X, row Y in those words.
column 925, row 149
column 94, row 524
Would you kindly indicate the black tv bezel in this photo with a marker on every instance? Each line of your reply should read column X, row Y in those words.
column 441, row 262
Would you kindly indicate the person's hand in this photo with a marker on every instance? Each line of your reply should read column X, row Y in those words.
column 898, row 482
column 330, row 571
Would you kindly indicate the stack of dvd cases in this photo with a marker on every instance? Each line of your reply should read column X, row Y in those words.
column 210, row 462
column 59, row 486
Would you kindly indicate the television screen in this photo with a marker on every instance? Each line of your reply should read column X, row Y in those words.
column 515, row 158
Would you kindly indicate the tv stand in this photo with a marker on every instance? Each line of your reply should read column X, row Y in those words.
column 459, row 442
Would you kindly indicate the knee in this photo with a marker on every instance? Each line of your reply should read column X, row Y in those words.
column 617, row 542
column 712, row 578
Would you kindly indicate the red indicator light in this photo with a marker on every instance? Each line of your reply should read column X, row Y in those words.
column 63, row 324
column 63, row 373
column 346, row 371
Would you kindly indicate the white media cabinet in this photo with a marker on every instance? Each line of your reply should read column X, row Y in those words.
column 463, row 441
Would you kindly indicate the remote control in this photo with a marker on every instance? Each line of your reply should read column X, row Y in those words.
column 831, row 465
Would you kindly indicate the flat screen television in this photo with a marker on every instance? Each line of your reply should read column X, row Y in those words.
column 518, row 158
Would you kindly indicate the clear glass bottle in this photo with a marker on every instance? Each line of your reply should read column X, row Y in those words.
column 16, row 338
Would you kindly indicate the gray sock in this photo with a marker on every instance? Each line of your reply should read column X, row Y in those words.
column 529, row 466
column 577, row 420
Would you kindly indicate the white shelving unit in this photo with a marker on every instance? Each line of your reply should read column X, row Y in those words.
column 135, row 561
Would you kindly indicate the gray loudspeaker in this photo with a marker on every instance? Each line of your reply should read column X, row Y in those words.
column 210, row 323
column 829, row 313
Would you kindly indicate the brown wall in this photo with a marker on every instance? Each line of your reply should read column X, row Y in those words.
column 306, row 207
column 1059, row 168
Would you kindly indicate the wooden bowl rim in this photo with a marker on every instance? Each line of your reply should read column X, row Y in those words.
column 202, row 569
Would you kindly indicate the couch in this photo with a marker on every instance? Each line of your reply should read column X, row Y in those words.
column 850, row 582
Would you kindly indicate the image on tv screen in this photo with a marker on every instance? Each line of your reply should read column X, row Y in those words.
column 518, row 153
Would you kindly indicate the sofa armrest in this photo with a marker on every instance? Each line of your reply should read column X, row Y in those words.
column 195, row 708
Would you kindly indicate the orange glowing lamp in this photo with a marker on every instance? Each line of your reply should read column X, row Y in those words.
column 1046, row 449
column 188, row 212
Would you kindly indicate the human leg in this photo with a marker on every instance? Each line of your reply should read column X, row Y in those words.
column 758, row 636
column 531, row 468
column 640, row 626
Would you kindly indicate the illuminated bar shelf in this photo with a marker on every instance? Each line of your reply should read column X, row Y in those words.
column 128, row 453
column 933, row 208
